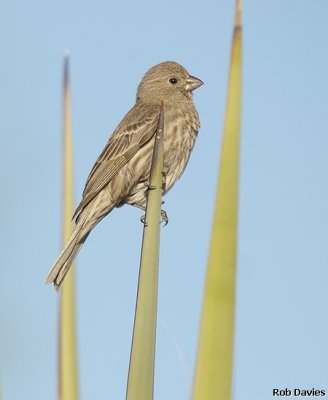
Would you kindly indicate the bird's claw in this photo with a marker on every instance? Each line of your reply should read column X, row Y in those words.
column 164, row 218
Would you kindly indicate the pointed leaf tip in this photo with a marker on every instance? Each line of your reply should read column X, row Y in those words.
column 66, row 68
column 238, row 14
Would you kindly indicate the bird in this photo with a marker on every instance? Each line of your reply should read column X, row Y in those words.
column 121, row 173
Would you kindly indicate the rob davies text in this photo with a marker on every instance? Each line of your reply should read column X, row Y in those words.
column 298, row 392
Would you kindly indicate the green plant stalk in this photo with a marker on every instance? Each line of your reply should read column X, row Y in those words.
column 67, row 365
column 140, row 384
column 214, row 366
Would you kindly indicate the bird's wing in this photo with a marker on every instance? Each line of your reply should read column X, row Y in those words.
column 135, row 130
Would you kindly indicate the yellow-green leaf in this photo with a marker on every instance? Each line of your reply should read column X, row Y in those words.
column 67, row 365
column 141, row 371
column 214, row 366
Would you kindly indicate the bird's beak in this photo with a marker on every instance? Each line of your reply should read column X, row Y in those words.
column 193, row 83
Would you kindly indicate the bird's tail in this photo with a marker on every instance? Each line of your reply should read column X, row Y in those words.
column 85, row 223
column 64, row 261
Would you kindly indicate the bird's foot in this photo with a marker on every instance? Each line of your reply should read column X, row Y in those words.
column 164, row 218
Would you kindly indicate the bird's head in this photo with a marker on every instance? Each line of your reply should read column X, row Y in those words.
column 168, row 81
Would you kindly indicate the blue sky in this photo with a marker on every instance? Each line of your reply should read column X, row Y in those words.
column 282, row 323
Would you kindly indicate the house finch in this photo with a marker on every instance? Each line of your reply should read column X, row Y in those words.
column 121, row 173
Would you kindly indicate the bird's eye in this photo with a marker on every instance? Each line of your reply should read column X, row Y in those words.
column 173, row 81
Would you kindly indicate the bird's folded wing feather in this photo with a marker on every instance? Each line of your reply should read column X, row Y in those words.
column 135, row 130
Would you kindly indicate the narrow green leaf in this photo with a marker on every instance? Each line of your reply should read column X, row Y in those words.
column 67, row 365
column 141, row 371
column 213, row 375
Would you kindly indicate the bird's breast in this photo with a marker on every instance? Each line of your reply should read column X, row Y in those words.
column 180, row 132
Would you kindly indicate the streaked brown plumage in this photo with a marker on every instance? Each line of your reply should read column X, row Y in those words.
column 121, row 173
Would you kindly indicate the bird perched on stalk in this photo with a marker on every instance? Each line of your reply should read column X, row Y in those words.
column 122, row 171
